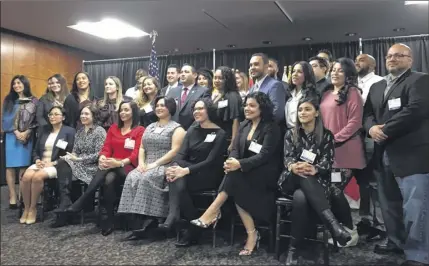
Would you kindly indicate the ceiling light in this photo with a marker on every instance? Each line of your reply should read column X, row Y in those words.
column 307, row 39
column 199, row 49
column 176, row 49
column 231, row 46
column 111, row 29
column 351, row 34
column 416, row 3
column 399, row 29
column 266, row 42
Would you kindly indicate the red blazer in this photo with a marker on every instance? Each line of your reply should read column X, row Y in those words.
column 114, row 145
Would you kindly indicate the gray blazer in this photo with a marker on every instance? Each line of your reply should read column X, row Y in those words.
column 183, row 114
column 164, row 90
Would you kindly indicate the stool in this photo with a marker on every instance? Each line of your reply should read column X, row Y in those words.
column 206, row 193
column 286, row 204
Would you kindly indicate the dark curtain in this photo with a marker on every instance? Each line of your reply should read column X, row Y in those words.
column 378, row 49
column 99, row 71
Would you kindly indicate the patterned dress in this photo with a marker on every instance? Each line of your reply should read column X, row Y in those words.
column 87, row 145
column 147, row 193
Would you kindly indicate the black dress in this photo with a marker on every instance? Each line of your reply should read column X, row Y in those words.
column 108, row 112
column 253, row 187
column 204, row 159
column 147, row 118
column 227, row 114
column 72, row 109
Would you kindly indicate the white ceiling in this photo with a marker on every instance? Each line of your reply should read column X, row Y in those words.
column 183, row 24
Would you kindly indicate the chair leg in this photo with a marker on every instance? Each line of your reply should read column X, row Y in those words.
column 82, row 213
column 325, row 247
column 214, row 229
column 43, row 196
column 232, row 229
column 277, row 240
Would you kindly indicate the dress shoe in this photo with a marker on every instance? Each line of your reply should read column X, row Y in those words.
column 387, row 247
column 189, row 238
column 412, row 263
column 107, row 231
column 60, row 221
column 13, row 206
column 337, row 230
column 134, row 236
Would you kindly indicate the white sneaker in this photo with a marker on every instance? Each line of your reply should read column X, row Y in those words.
column 353, row 242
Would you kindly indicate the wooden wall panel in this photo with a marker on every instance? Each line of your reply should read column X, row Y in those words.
column 6, row 53
column 24, row 57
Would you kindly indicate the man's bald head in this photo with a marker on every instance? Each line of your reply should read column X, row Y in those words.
column 399, row 58
column 365, row 64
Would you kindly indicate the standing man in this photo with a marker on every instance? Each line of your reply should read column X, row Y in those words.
column 172, row 78
column 365, row 66
column 397, row 118
column 273, row 71
column 320, row 68
column 266, row 84
column 132, row 92
column 186, row 95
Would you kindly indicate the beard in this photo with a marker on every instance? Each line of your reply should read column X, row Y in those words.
column 363, row 72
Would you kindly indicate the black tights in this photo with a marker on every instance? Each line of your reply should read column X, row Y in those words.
column 339, row 204
column 180, row 201
column 64, row 175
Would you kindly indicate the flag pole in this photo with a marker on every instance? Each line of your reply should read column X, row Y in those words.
column 214, row 59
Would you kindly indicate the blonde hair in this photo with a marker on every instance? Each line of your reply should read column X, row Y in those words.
column 245, row 84
column 119, row 96
column 141, row 97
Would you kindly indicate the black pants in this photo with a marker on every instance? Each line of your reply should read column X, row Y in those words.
column 64, row 175
column 309, row 201
column 109, row 179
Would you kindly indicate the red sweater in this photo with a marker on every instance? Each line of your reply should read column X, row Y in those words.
column 114, row 145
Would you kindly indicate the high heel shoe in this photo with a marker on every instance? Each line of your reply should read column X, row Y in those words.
column 248, row 252
column 31, row 217
column 199, row 223
column 167, row 226
column 23, row 218
column 337, row 230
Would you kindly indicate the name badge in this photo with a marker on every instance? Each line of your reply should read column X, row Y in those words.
column 336, row 177
column 308, row 156
column 148, row 109
column 394, row 104
column 158, row 130
column 255, row 147
column 62, row 144
column 210, row 137
column 129, row 144
column 222, row 104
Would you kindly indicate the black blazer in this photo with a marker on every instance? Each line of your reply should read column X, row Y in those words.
column 43, row 108
column 268, row 135
column 407, row 127
column 66, row 133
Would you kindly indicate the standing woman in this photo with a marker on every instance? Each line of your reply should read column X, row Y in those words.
column 145, row 100
column 109, row 105
column 81, row 96
column 18, row 122
column 55, row 95
column 118, row 157
column 342, row 111
column 205, row 79
column 228, row 103
column 54, row 140
column 242, row 84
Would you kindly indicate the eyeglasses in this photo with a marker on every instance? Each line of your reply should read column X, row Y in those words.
column 396, row 56
column 56, row 114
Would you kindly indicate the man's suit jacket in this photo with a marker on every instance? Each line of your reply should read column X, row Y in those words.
column 184, row 115
column 277, row 94
column 164, row 90
column 407, row 127
column 66, row 134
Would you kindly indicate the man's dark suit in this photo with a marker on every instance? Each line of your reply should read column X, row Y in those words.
column 277, row 94
column 183, row 114
column 407, row 145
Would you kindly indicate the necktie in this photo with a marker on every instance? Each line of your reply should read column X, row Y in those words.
column 256, row 87
column 184, row 95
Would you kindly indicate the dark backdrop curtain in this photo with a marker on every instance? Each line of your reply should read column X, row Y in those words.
column 378, row 49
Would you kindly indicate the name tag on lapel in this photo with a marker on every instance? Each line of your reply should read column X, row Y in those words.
column 255, row 147
column 158, row 130
column 148, row 109
column 394, row 104
column 210, row 137
column 222, row 104
column 336, row 177
column 62, row 144
column 308, row 156
column 129, row 144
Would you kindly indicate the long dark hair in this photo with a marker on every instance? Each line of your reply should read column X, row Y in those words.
column 95, row 113
column 228, row 76
column 309, row 79
column 10, row 99
column 265, row 105
column 75, row 90
column 350, row 74
column 64, row 89
column 207, row 73
column 135, row 118
column 313, row 99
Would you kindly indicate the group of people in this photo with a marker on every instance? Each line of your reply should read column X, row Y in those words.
column 152, row 147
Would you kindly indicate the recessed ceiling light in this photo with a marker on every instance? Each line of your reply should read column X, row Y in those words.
column 416, row 3
column 231, row 46
column 111, row 29
column 351, row 34
column 176, row 49
column 266, row 42
column 307, row 39
column 199, row 49
column 399, row 29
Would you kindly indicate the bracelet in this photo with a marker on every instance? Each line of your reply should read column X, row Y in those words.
column 122, row 163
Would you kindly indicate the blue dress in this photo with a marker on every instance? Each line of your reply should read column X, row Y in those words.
column 17, row 154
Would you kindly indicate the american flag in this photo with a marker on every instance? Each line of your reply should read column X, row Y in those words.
column 153, row 64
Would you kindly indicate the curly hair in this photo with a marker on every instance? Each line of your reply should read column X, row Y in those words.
column 265, row 105
column 210, row 108
column 309, row 79
column 230, row 83
column 350, row 75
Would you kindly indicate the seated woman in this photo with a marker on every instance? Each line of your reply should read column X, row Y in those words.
column 82, row 163
column 55, row 140
column 198, row 166
column 117, row 158
column 145, row 191
column 308, row 158
column 251, row 171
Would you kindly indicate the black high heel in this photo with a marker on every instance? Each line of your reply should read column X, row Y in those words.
column 168, row 226
column 248, row 252
column 199, row 223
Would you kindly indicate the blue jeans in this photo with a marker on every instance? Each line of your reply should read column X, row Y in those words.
column 415, row 193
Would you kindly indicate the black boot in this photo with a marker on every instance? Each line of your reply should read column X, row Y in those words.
column 337, row 230
column 190, row 237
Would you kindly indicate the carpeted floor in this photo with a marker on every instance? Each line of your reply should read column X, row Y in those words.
column 83, row 245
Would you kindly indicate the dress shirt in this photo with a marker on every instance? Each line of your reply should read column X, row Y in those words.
column 366, row 82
